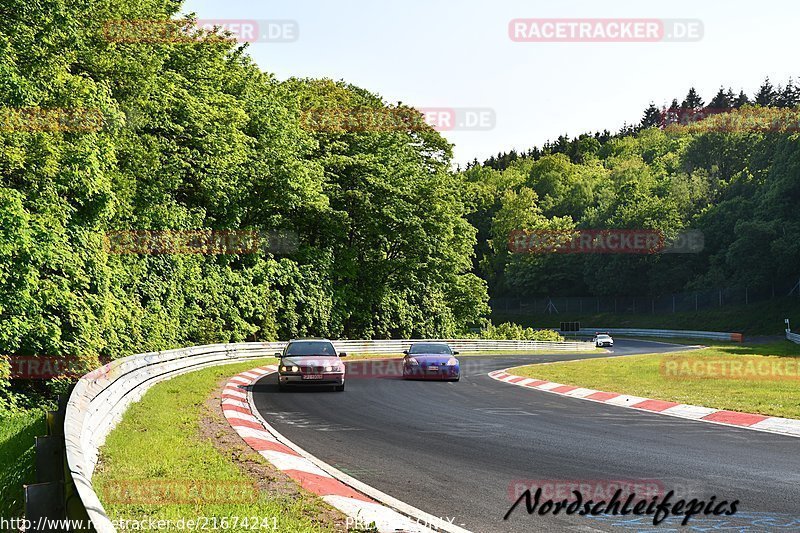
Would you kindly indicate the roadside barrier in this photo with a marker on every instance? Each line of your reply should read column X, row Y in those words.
column 666, row 333
column 100, row 398
column 462, row 345
column 794, row 337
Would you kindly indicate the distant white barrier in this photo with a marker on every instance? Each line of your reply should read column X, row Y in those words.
column 100, row 398
column 463, row 345
column 794, row 337
column 666, row 333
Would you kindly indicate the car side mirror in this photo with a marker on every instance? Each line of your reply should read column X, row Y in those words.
column 405, row 352
column 343, row 354
column 455, row 353
column 279, row 355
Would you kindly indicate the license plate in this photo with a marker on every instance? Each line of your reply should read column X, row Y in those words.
column 433, row 369
column 313, row 376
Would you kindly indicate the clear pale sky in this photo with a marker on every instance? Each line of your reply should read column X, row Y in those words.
column 457, row 53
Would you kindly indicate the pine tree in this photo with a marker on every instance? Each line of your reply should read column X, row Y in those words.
column 652, row 117
column 741, row 100
column 693, row 102
column 731, row 96
column 673, row 115
column 721, row 102
column 603, row 137
column 766, row 95
column 788, row 96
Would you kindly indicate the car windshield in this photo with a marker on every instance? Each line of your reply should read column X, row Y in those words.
column 311, row 348
column 438, row 349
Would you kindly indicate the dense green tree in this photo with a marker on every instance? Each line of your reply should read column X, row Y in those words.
column 766, row 95
column 652, row 117
column 738, row 186
column 741, row 100
column 692, row 102
column 722, row 101
column 788, row 96
column 193, row 135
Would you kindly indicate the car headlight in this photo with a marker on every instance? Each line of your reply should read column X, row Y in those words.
column 289, row 369
column 413, row 362
column 333, row 368
column 452, row 361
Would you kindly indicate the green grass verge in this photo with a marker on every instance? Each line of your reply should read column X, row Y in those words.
column 648, row 376
column 159, row 444
column 17, row 437
column 762, row 318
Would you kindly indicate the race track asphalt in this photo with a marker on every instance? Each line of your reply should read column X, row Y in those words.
column 458, row 450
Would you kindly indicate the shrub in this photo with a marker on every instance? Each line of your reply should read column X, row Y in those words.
column 510, row 331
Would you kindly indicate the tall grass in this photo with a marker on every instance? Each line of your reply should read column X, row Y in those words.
column 18, row 431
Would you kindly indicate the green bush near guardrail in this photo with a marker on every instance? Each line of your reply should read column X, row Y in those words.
column 18, row 431
column 510, row 331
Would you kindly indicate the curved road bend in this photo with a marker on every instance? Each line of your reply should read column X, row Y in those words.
column 457, row 450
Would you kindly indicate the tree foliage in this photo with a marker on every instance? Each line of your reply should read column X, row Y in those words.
column 194, row 135
column 731, row 176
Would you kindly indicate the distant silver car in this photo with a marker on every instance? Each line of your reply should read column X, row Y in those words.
column 603, row 339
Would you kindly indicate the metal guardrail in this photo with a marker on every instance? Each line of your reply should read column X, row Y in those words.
column 100, row 398
column 666, row 333
column 794, row 337
column 461, row 345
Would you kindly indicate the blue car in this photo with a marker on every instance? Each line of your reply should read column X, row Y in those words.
column 431, row 360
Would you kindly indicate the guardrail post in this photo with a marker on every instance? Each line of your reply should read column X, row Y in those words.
column 44, row 505
column 44, row 500
column 49, row 459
